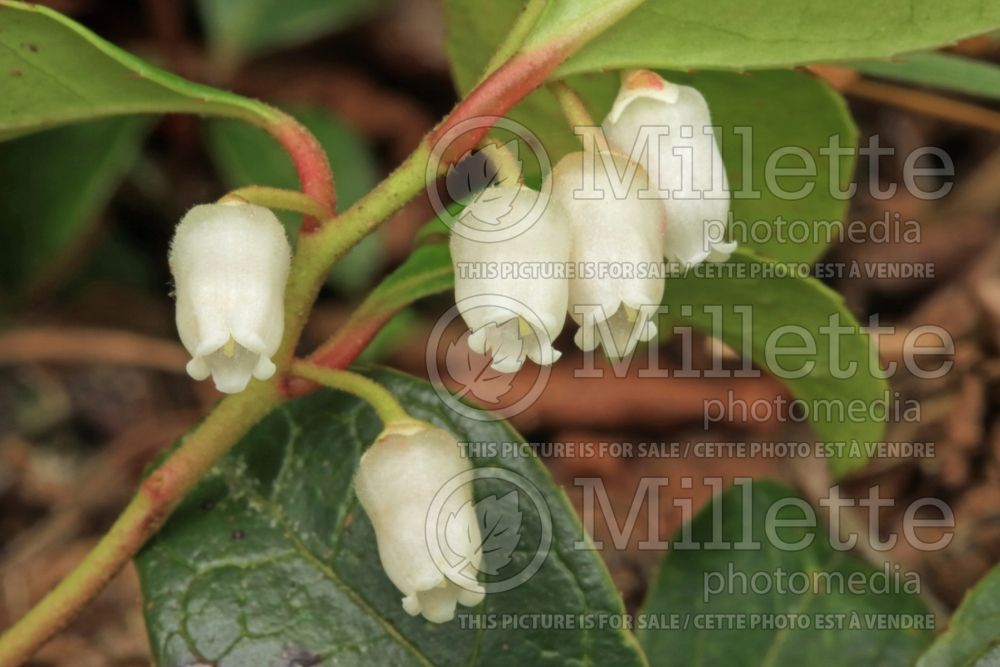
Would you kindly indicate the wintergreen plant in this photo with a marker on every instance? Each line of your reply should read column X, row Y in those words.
column 285, row 460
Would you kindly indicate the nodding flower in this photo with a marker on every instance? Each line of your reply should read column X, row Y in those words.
column 668, row 129
column 230, row 264
column 432, row 557
column 512, row 315
column 612, row 227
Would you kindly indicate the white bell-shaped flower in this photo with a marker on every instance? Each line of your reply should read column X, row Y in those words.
column 510, row 251
column 668, row 129
column 415, row 485
column 617, row 250
column 230, row 264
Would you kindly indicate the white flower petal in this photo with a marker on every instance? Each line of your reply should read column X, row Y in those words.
column 396, row 483
column 198, row 369
column 502, row 343
column 438, row 604
column 618, row 334
column 232, row 368
column 511, row 313
column 721, row 252
column 683, row 161
column 411, row 604
column 265, row 368
column 471, row 596
column 612, row 227
column 230, row 264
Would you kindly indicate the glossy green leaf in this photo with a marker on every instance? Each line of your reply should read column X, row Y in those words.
column 770, row 121
column 238, row 28
column 734, row 34
column 246, row 155
column 784, row 116
column 427, row 271
column 55, row 71
column 972, row 638
column 270, row 560
column 939, row 70
column 48, row 205
column 698, row 618
column 846, row 402
column 397, row 332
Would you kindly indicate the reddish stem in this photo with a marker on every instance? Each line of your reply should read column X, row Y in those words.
column 233, row 417
column 495, row 96
column 311, row 164
column 498, row 94
column 341, row 350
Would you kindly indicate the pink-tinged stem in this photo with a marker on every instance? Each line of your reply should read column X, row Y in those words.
column 164, row 489
column 158, row 496
column 311, row 164
column 497, row 95
column 341, row 350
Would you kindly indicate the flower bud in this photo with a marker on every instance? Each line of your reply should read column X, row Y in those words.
column 230, row 264
column 512, row 314
column 614, row 232
column 397, row 482
column 669, row 129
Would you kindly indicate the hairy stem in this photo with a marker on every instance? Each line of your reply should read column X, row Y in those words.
column 381, row 399
column 278, row 199
column 311, row 164
column 515, row 38
column 158, row 495
column 164, row 489
column 318, row 247
column 350, row 341
column 317, row 252
column 577, row 115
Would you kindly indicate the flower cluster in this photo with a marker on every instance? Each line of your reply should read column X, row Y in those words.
column 597, row 207
column 230, row 263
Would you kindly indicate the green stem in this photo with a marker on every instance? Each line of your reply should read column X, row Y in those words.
column 577, row 115
column 278, row 199
column 318, row 251
column 381, row 399
column 515, row 38
column 406, row 182
column 158, row 495
column 319, row 246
